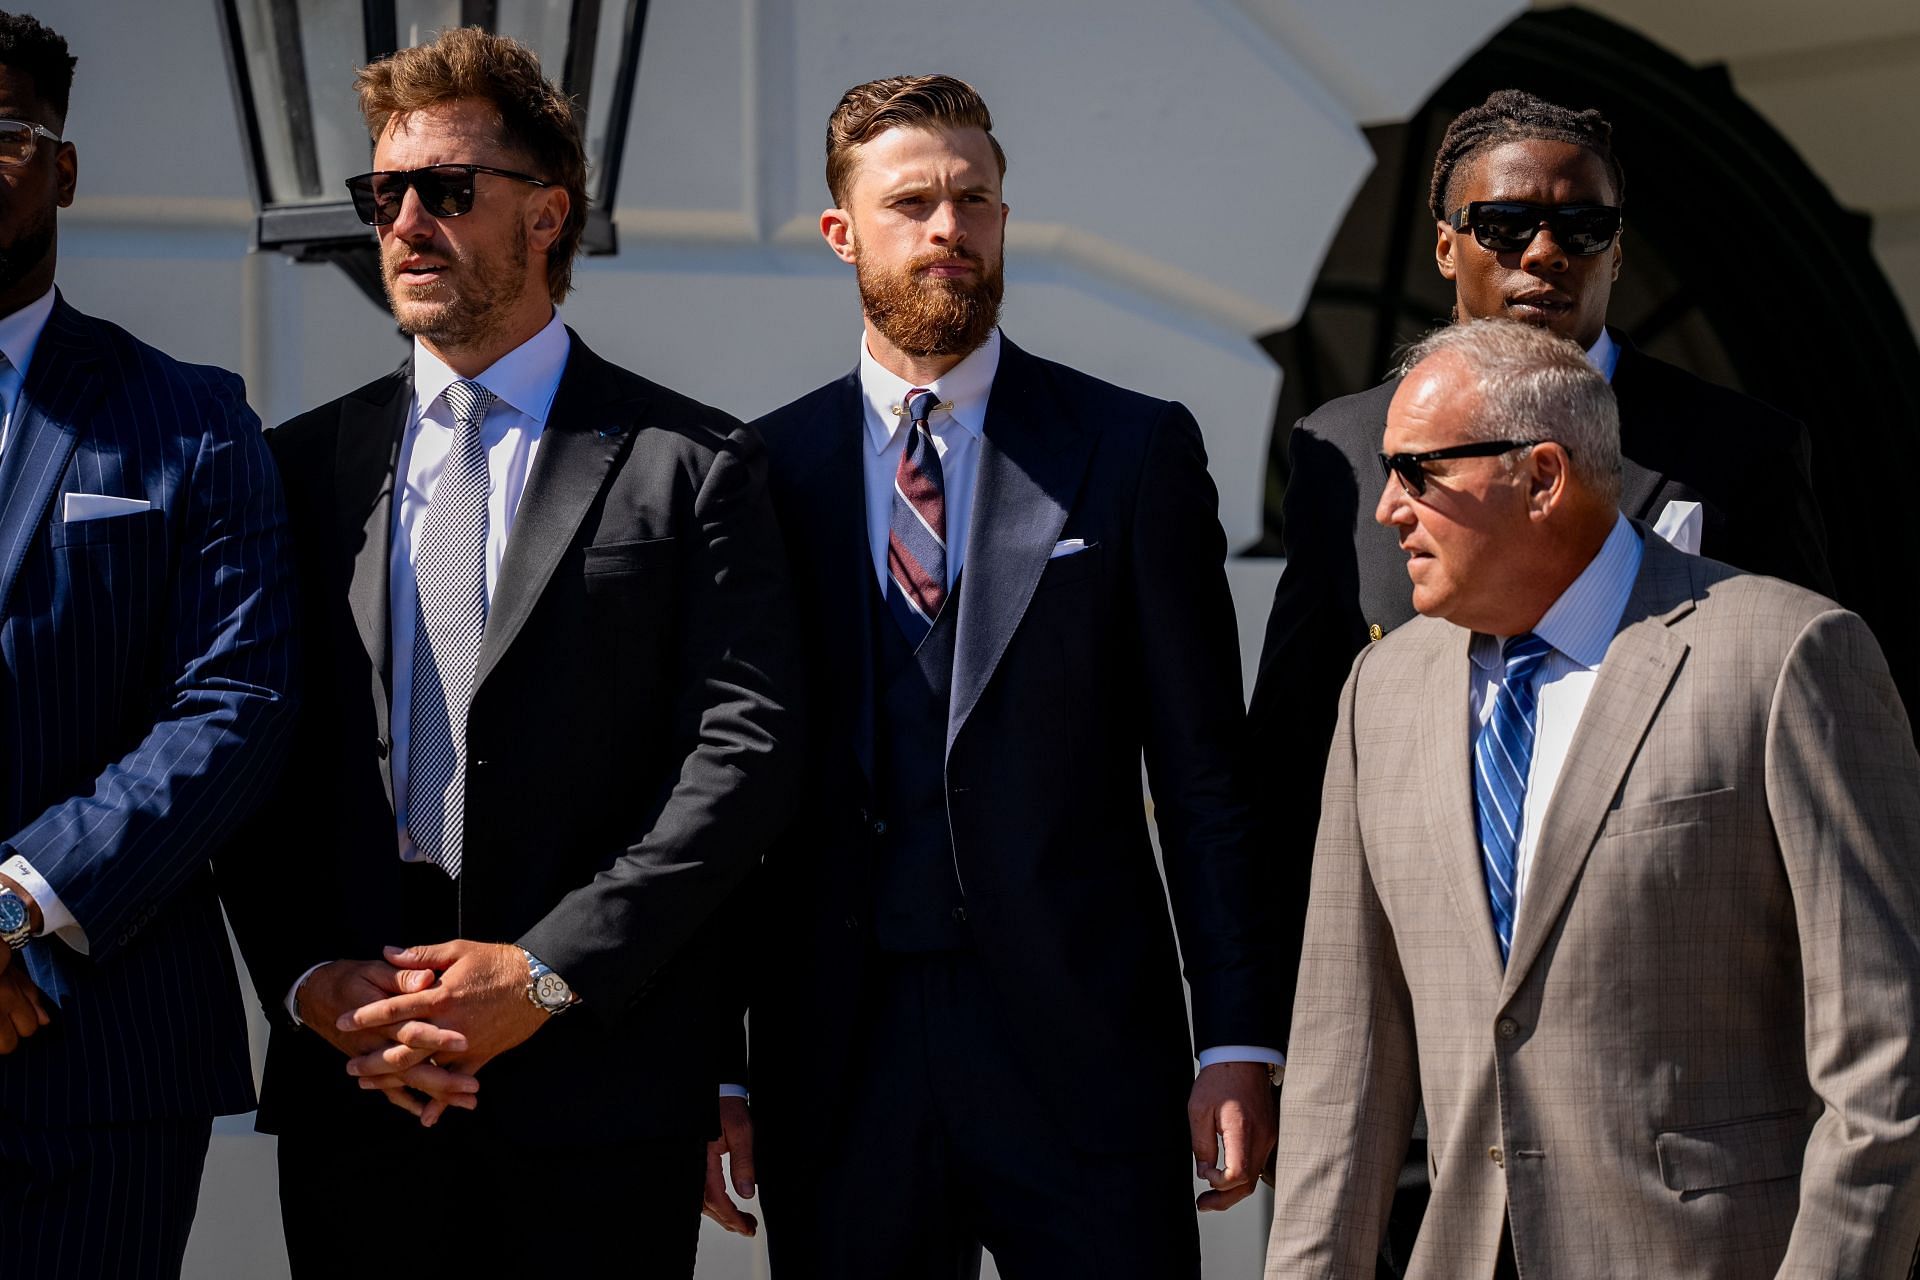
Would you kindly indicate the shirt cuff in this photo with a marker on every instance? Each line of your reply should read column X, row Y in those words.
column 734, row 1091
column 1241, row 1053
column 293, row 1007
column 55, row 919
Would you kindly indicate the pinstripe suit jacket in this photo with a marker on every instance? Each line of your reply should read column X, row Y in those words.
column 143, row 705
column 1700, row 1060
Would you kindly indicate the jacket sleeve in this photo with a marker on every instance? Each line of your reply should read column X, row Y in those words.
column 221, row 699
column 1194, row 737
column 1843, row 786
column 736, row 724
column 1352, row 1073
column 1313, row 631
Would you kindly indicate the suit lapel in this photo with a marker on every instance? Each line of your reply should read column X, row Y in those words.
column 1032, row 457
column 1638, row 670
column 1640, row 417
column 591, row 423
column 831, row 486
column 1446, row 744
column 62, row 388
column 365, row 460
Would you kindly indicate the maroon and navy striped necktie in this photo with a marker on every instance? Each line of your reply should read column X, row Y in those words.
column 917, row 530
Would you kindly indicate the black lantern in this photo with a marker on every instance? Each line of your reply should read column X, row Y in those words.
column 292, row 64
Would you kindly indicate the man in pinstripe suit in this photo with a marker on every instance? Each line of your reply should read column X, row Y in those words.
column 1618, row 871
column 144, row 667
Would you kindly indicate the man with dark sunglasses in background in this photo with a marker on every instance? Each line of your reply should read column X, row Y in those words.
column 146, row 663
column 550, row 729
column 1526, row 199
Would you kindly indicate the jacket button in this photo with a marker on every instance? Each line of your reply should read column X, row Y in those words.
column 879, row 826
column 960, row 915
column 1507, row 1028
column 852, row 923
column 481, row 762
column 1497, row 1156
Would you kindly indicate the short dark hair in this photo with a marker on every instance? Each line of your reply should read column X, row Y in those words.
column 900, row 102
column 535, row 118
column 39, row 53
column 1513, row 115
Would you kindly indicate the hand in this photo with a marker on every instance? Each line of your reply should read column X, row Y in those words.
column 482, row 994
column 23, row 1009
column 345, row 985
column 736, row 1138
column 1231, row 1101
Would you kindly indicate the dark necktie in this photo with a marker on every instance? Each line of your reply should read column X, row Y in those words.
column 917, row 530
column 451, row 577
column 1502, row 759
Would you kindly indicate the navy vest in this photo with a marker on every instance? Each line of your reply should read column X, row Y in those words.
column 917, row 901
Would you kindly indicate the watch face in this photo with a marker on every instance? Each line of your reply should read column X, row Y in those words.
column 551, row 989
column 13, row 913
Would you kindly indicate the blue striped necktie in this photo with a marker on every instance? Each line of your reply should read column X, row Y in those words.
column 917, row 529
column 451, row 579
column 1502, row 758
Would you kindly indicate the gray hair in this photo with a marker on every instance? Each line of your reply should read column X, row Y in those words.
column 1534, row 384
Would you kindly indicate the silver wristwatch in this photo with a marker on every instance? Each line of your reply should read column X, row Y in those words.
column 16, row 921
column 546, row 990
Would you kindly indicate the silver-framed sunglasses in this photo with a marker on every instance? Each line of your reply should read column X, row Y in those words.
column 19, row 139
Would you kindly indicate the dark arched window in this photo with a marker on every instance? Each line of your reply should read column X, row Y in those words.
column 1740, row 267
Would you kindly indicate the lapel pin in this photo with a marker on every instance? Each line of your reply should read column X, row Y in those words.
column 1375, row 631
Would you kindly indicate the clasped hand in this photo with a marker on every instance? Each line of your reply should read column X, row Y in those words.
column 419, row 1026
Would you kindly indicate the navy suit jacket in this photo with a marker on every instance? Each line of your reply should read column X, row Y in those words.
column 143, row 710
column 1066, row 670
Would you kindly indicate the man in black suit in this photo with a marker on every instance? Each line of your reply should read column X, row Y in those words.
column 550, row 731
column 967, row 1018
column 146, row 623
column 1526, row 202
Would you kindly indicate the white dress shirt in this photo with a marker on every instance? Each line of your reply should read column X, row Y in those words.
column 523, row 382
column 1580, row 625
column 955, row 426
column 19, row 335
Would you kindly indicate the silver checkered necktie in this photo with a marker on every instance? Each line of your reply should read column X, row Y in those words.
column 451, row 582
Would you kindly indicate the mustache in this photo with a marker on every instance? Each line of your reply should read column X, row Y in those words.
column 959, row 253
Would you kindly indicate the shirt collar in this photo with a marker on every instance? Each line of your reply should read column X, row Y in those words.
column 1582, row 622
column 1604, row 354
column 20, row 332
column 526, row 378
column 965, row 387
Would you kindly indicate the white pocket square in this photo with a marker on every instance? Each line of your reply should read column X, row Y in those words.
column 1680, row 525
column 1069, row 547
column 95, row 506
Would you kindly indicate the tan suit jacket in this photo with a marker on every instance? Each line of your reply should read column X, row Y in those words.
column 1701, row 1059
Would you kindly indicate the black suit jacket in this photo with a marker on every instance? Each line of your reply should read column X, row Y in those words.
column 144, row 710
column 1681, row 439
column 630, row 750
column 1066, row 669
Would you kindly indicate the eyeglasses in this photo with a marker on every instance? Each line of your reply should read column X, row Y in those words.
column 19, row 139
column 445, row 190
column 1411, row 467
column 1509, row 226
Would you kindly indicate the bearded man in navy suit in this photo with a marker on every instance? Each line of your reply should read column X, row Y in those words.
column 967, row 1016
column 145, row 632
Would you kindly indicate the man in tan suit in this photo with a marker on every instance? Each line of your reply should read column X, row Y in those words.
column 1618, row 869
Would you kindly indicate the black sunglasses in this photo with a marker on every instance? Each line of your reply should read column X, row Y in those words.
column 1509, row 226
column 445, row 190
column 1411, row 467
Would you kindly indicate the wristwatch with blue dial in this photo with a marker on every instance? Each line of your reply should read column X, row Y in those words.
column 16, row 921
